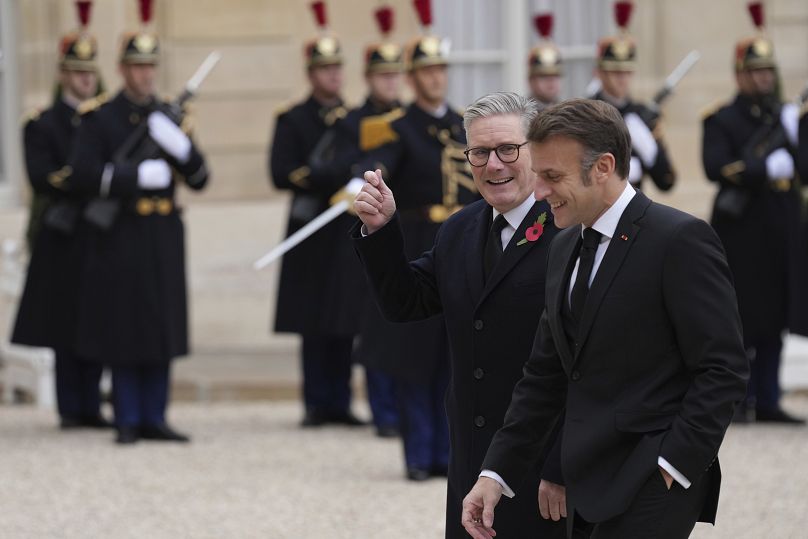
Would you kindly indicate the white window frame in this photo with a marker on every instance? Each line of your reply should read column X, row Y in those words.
column 11, row 176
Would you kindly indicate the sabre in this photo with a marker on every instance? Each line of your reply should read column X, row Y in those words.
column 676, row 75
column 345, row 199
column 199, row 76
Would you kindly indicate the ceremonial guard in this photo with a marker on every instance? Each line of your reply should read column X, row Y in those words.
column 758, row 216
column 544, row 63
column 383, row 70
column 420, row 149
column 130, row 155
column 48, row 308
column 616, row 62
column 317, row 292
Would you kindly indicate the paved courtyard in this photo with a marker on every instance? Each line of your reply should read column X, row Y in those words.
column 251, row 472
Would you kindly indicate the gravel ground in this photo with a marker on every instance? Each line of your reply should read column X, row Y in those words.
column 251, row 472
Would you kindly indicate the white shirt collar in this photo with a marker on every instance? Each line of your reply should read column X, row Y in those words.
column 516, row 215
column 607, row 223
column 439, row 112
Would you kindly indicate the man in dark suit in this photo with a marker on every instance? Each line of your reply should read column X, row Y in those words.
column 47, row 312
column 485, row 274
column 323, row 310
column 640, row 343
column 749, row 150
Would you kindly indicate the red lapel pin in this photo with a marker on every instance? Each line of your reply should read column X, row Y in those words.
column 623, row 237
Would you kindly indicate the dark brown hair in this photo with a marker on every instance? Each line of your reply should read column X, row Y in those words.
column 596, row 125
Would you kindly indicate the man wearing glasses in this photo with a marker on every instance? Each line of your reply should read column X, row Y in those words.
column 485, row 274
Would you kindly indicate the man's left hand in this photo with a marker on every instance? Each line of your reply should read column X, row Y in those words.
column 667, row 477
column 552, row 500
column 169, row 136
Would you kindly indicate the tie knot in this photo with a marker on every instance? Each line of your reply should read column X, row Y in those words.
column 591, row 238
column 499, row 223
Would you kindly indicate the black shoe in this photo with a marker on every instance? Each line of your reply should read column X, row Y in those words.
column 388, row 431
column 314, row 418
column 127, row 435
column 777, row 415
column 96, row 422
column 347, row 419
column 162, row 433
column 439, row 471
column 418, row 474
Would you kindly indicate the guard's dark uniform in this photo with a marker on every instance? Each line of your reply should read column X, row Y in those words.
column 49, row 304
column 760, row 223
column 661, row 173
column 421, row 158
column 802, row 141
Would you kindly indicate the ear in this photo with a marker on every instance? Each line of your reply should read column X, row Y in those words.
column 604, row 167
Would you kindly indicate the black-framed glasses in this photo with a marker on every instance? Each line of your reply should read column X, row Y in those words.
column 507, row 153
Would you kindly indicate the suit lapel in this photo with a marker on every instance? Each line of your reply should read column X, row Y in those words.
column 513, row 253
column 619, row 246
column 473, row 245
column 560, row 269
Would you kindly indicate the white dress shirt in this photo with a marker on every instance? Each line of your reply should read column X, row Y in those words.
column 606, row 225
column 514, row 218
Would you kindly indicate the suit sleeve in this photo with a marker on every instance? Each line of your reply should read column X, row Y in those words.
column 44, row 172
column 536, row 404
column 404, row 291
column 89, row 163
column 700, row 300
column 724, row 164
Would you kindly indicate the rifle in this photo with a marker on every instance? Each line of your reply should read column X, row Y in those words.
column 651, row 115
column 139, row 146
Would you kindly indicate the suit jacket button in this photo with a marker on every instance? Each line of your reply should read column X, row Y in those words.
column 478, row 373
column 478, row 325
column 575, row 376
column 479, row 421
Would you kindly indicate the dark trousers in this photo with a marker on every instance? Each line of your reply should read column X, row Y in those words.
column 423, row 423
column 140, row 394
column 327, row 373
column 655, row 513
column 381, row 398
column 77, row 386
column 763, row 391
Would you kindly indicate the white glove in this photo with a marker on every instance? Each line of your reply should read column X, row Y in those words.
column 153, row 174
column 634, row 170
column 779, row 165
column 642, row 140
column 790, row 118
column 169, row 136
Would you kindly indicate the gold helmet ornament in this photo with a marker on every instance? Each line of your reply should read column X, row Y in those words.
column 427, row 49
column 619, row 53
column 383, row 57
column 755, row 52
column 323, row 50
column 78, row 50
column 544, row 58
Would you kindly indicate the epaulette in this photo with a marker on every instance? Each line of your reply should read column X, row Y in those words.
column 31, row 116
column 282, row 109
column 711, row 109
column 92, row 104
column 374, row 131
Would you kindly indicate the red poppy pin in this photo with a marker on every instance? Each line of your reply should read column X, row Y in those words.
column 534, row 232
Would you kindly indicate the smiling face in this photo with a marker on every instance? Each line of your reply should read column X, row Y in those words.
column 573, row 199
column 503, row 185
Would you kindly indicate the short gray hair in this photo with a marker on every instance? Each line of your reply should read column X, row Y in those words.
column 500, row 103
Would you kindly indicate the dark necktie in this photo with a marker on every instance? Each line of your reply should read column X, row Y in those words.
column 587, row 261
column 493, row 245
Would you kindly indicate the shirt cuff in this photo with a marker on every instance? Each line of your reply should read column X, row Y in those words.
column 364, row 230
column 676, row 474
column 506, row 490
